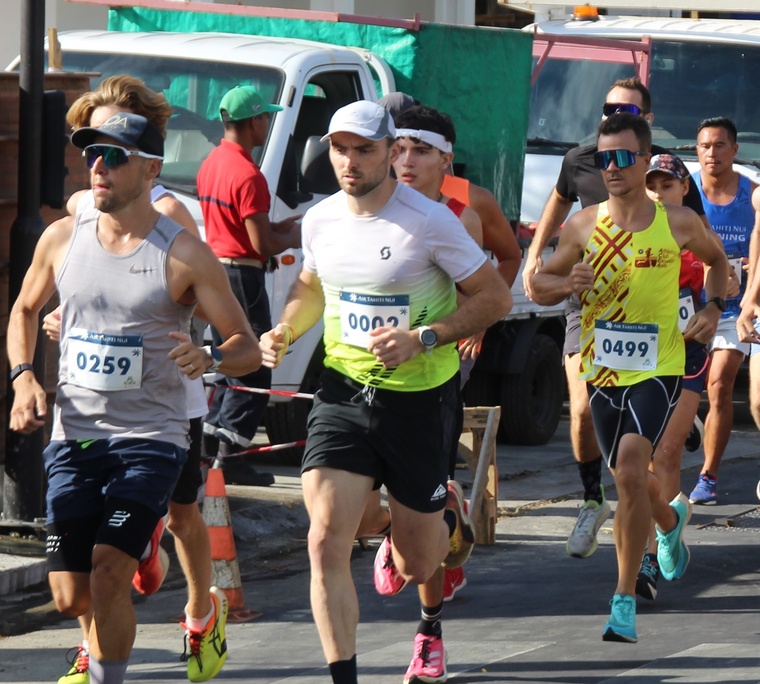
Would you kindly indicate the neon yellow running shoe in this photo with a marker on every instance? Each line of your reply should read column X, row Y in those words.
column 206, row 652
column 79, row 673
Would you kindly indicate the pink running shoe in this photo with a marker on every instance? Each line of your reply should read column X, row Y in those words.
column 152, row 570
column 388, row 580
column 429, row 661
column 454, row 580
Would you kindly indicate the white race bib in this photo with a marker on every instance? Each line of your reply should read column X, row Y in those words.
column 360, row 313
column 685, row 307
column 736, row 264
column 626, row 346
column 105, row 362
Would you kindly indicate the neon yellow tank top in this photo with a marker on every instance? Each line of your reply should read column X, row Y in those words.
column 629, row 321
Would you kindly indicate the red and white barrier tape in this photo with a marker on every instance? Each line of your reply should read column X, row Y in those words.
column 276, row 393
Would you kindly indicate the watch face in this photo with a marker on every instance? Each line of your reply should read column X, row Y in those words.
column 429, row 338
column 216, row 355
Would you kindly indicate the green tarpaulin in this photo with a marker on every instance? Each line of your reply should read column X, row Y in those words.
column 479, row 76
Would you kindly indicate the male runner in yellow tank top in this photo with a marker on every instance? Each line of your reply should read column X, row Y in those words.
column 622, row 258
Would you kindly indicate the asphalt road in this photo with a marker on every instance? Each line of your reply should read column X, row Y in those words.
column 529, row 612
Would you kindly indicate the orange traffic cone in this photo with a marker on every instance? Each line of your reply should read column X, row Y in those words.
column 226, row 572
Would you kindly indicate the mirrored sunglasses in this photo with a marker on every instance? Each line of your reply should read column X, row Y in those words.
column 611, row 108
column 622, row 158
column 113, row 155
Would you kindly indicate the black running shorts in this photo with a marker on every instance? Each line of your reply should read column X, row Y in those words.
column 641, row 409
column 403, row 440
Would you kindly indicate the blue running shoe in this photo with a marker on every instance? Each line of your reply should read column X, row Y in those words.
column 706, row 491
column 672, row 552
column 622, row 623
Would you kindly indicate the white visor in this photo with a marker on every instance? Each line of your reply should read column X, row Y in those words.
column 434, row 139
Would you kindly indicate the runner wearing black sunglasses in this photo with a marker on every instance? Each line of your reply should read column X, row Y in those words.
column 622, row 258
column 580, row 178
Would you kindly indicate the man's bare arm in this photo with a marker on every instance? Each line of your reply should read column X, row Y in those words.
column 565, row 273
column 305, row 306
column 268, row 238
column 498, row 235
column 555, row 212
column 29, row 401
column 193, row 271
column 486, row 300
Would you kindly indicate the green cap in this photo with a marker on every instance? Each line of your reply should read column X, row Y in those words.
column 244, row 102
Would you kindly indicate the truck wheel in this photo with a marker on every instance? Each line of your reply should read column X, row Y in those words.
column 286, row 421
column 481, row 389
column 531, row 400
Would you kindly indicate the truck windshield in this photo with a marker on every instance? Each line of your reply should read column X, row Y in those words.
column 194, row 89
column 689, row 81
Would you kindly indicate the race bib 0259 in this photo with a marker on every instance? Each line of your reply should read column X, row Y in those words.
column 104, row 362
column 361, row 313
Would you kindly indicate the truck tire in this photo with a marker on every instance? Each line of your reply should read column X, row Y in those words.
column 286, row 421
column 482, row 389
column 531, row 400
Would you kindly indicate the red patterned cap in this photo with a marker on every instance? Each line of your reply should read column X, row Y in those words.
column 670, row 164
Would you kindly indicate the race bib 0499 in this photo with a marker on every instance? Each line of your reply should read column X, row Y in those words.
column 105, row 362
column 361, row 313
column 626, row 346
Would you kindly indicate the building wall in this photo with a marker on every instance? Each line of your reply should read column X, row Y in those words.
column 60, row 14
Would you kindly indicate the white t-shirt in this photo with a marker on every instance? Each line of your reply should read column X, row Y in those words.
column 395, row 267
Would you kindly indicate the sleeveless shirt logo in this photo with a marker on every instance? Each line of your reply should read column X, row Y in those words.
column 136, row 269
column 648, row 260
column 385, row 253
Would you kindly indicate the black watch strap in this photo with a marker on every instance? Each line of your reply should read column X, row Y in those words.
column 718, row 301
column 18, row 370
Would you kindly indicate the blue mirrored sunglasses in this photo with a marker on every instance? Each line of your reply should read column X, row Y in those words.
column 622, row 158
column 610, row 108
column 113, row 155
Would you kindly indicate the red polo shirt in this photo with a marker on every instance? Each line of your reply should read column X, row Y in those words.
column 231, row 188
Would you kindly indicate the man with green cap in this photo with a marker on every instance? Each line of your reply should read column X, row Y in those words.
column 235, row 201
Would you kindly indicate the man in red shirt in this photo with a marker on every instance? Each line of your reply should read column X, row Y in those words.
column 235, row 201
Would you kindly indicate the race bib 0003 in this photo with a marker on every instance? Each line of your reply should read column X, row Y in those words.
column 361, row 313
column 100, row 361
column 626, row 346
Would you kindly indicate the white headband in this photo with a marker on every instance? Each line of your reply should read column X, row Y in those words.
column 429, row 137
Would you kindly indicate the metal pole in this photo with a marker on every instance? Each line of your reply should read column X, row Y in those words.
column 23, row 487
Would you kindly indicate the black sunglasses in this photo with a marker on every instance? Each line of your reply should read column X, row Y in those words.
column 622, row 158
column 113, row 155
column 610, row 108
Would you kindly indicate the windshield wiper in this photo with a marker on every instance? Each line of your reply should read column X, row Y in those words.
column 545, row 142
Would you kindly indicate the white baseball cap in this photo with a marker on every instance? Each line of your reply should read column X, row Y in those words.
column 364, row 118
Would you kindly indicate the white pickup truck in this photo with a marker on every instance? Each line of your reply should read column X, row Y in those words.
column 520, row 367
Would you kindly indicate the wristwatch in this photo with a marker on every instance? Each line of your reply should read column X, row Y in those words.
column 428, row 338
column 718, row 301
column 216, row 358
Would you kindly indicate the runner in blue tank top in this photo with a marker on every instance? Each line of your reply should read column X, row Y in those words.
column 730, row 201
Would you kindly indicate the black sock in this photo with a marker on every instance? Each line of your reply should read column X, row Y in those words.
column 344, row 671
column 591, row 476
column 430, row 625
